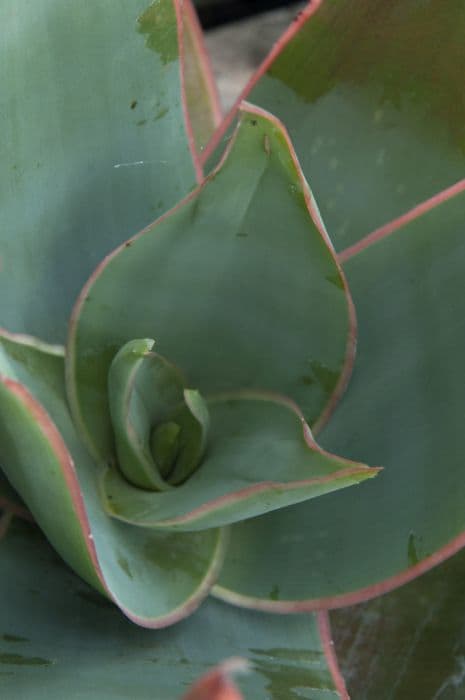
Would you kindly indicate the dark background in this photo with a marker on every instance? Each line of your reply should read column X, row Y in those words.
column 215, row 12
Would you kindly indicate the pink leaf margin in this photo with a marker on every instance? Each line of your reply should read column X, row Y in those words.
column 191, row 17
column 301, row 18
column 216, row 684
column 324, row 628
column 185, row 12
column 351, row 469
column 388, row 229
column 52, row 435
column 351, row 342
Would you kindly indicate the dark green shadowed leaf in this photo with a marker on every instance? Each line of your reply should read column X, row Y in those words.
column 259, row 457
column 409, row 643
column 62, row 622
column 372, row 94
column 94, row 144
column 236, row 286
column 155, row 578
column 194, row 422
column 403, row 410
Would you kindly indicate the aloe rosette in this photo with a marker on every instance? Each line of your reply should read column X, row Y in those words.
column 166, row 467
column 169, row 450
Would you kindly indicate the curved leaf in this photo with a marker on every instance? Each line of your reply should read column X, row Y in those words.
column 94, row 143
column 260, row 457
column 403, row 409
column 238, row 277
column 155, row 578
column 372, row 95
column 202, row 98
column 51, row 621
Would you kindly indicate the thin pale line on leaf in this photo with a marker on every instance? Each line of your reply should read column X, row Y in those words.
column 417, row 211
column 303, row 16
column 33, row 342
column 326, row 637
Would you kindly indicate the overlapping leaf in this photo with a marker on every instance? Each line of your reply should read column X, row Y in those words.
column 95, row 141
column 372, row 95
column 155, row 578
column 52, row 622
column 403, row 409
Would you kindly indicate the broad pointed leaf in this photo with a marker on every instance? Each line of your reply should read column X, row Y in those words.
column 404, row 410
column 238, row 286
column 94, row 143
column 260, row 457
column 155, row 578
column 61, row 639
column 372, row 94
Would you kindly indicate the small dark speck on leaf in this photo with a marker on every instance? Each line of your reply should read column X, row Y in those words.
column 253, row 122
column 306, row 379
column 128, row 244
column 133, row 104
column 95, row 599
column 242, row 235
column 274, row 594
column 14, row 638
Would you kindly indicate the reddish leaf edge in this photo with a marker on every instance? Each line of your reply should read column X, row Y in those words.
column 326, row 637
column 416, row 212
column 217, row 683
column 361, row 595
column 198, row 167
column 55, row 440
column 386, row 229
column 301, row 18
column 346, row 371
column 352, row 469
column 204, row 61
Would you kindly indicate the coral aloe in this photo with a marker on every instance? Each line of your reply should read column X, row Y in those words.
column 161, row 432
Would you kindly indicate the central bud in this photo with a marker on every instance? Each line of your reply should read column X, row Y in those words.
column 160, row 426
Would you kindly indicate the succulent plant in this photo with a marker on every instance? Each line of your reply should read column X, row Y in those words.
column 168, row 450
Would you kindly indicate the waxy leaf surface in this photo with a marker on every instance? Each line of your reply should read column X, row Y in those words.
column 403, row 410
column 372, row 94
column 95, row 142
column 155, row 578
column 53, row 623
column 260, row 457
column 238, row 286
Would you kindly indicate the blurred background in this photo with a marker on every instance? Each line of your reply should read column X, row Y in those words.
column 239, row 34
column 215, row 12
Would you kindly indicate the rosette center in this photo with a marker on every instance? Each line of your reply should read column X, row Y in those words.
column 160, row 426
